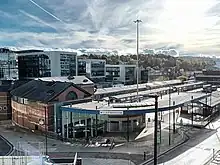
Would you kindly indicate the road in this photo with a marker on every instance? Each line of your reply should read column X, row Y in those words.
column 198, row 149
column 6, row 147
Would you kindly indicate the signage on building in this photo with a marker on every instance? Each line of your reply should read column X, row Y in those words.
column 3, row 108
column 111, row 112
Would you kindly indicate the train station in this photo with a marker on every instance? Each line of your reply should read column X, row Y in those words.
column 121, row 113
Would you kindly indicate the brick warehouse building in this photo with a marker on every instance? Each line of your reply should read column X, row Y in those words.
column 34, row 101
column 5, row 97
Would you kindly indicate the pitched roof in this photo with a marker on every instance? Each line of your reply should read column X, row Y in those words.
column 43, row 91
column 78, row 80
column 8, row 85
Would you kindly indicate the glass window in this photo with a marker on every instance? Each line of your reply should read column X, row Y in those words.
column 71, row 96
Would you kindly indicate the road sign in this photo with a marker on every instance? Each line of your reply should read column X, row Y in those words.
column 111, row 112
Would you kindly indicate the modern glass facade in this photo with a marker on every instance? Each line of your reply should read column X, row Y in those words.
column 93, row 68
column 68, row 64
column 97, row 68
column 8, row 65
column 129, row 75
column 32, row 66
column 144, row 76
column 81, row 68
column 112, row 72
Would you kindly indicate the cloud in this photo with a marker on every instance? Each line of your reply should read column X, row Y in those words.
column 184, row 25
column 52, row 15
column 37, row 19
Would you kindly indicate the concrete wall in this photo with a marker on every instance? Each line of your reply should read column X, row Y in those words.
column 54, row 63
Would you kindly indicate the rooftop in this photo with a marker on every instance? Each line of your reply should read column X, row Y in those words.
column 177, row 100
column 44, row 91
column 78, row 80
column 141, row 86
column 215, row 99
column 28, row 51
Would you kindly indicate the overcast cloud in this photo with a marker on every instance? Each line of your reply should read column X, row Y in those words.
column 185, row 25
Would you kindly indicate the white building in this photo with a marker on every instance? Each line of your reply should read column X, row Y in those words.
column 62, row 63
column 36, row 63
column 93, row 68
column 125, row 74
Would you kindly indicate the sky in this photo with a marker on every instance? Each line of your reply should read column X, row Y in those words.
column 189, row 26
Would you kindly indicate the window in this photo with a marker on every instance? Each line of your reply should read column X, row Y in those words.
column 71, row 96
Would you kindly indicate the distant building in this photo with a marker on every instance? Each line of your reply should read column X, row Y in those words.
column 39, row 63
column 208, row 76
column 32, row 64
column 144, row 75
column 124, row 74
column 8, row 65
column 62, row 63
column 33, row 102
column 92, row 68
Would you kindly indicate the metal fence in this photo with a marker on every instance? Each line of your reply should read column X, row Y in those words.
column 20, row 160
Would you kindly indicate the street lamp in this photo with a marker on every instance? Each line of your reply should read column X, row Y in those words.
column 155, row 126
column 43, row 122
column 192, row 109
column 169, row 115
column 137, row 22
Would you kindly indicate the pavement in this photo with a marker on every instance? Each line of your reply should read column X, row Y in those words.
column 198, row 150
column 92, row 161
column 132, row 152
column 128, row 151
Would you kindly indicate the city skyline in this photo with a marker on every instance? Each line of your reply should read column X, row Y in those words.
column 185, row 25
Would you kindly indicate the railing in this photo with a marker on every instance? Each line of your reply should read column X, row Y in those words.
column 211, row 157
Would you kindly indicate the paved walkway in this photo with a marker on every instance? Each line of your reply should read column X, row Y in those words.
column 92, row 161
column 132, row 150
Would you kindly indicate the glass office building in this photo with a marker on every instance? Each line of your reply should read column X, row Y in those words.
column 68, row 64
column 93, row 68
column 8, row 65
column 32, row 66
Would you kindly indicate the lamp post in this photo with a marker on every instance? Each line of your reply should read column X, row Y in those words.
column 174, row 118
column 128, row 126
column 192, row 109
column 169, row 115
column 155, row 126
column 44, row 122
column 137, row 22
column 155, row 129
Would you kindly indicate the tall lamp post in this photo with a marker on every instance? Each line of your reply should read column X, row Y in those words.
column 155, row 126
column 192, row 109
column 137, row 22
column 169, row 115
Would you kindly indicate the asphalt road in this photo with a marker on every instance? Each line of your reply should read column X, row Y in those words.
column 5, row 147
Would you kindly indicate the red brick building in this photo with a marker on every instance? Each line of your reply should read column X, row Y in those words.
column 34, row 101
column 5, row 97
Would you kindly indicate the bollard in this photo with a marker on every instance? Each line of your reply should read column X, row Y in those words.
column 144, row 155
column 213, row 153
